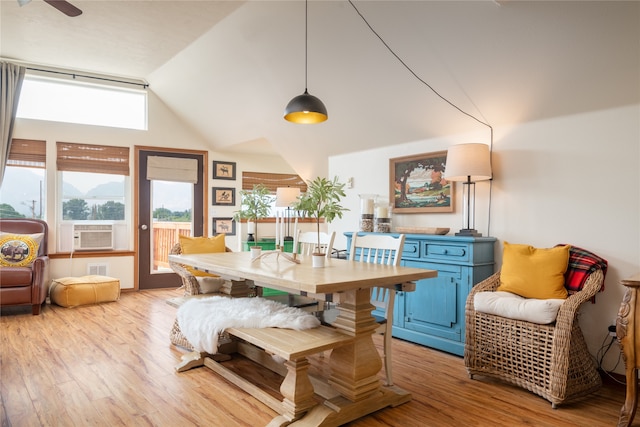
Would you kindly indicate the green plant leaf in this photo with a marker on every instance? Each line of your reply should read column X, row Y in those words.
column 254, row 205
column 322, row 200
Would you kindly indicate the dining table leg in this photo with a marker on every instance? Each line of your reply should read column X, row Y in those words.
column 355, row 367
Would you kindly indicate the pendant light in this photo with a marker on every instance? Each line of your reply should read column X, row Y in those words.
column 305, row 108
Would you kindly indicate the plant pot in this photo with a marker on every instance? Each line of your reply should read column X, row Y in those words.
column 317, row 260
column 256, row 251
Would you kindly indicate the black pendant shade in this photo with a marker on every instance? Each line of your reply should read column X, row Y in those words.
column 305, row 109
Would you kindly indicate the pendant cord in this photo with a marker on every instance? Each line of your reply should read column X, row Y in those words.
column 442, row 98
column 413, row 73
column 306, row 41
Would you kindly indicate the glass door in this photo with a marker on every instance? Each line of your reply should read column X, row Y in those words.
column 166, row 210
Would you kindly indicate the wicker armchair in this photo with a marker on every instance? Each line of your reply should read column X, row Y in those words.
column 189, row 281
column 550, row 360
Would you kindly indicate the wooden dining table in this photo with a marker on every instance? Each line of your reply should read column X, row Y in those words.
column 354, row 367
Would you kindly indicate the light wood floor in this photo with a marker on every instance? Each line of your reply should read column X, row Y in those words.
column 112, row 364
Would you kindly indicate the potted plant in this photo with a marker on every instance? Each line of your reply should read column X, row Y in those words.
column 322, row 200
column 254, row 205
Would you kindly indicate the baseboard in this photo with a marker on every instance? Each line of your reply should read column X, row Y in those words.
column 612, row 378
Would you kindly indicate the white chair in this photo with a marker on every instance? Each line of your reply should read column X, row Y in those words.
column 380, row 249
column 305, row 242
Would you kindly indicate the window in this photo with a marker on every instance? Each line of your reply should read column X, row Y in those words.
column 93, row 197
column 272, row 181
column 94, row 181
column 22, row 193
column 72, row 101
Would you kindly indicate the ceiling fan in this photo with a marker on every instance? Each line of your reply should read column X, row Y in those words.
column 63, row 6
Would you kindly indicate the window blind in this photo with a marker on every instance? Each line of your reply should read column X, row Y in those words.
column 272, row 181
column 172, row 169
column 92, row 158
column 29, row 153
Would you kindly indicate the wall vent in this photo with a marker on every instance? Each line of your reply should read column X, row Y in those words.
column 97, row 269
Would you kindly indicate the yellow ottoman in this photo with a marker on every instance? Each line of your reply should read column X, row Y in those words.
column 75, row 291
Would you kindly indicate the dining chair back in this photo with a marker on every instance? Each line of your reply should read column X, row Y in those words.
column 305, row 242
column 377, row 248
column 380, row 249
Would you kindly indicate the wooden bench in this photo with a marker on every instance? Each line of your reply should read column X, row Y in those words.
column 292, row 346
column 289, row 346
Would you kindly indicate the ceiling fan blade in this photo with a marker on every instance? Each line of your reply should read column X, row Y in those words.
column 65, row 7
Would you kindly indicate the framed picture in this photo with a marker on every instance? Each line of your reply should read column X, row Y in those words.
column 224, row 226
column 417, row 184
column 224, row 196
column 224, row 170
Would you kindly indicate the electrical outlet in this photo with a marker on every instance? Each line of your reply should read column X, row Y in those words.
column 612, row 330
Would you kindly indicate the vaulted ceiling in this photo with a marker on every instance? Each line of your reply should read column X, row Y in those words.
column 228, row 68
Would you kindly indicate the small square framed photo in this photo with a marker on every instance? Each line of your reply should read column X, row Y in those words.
column 224, row 226
column 224, row 170
column 223, row 196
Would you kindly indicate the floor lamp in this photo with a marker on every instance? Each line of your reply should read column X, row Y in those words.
column 285, row 197
column 468, row 163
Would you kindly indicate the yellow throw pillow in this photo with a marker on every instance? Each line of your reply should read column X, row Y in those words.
column 201, row 245
column 534, row 273
column 19, row 250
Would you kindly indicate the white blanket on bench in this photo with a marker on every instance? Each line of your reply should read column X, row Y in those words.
column 202, row 320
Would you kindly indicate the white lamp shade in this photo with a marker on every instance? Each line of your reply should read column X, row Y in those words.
column 286, row 196
column 468, row 160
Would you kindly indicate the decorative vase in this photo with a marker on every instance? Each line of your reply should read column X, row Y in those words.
column 367, row 203
column 251, row 230
column 317, row 260
column 256, row 251
column 382, row 221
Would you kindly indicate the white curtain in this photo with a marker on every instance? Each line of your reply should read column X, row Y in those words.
column 11, row 77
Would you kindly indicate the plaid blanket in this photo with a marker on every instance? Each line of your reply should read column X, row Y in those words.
column 581, row 264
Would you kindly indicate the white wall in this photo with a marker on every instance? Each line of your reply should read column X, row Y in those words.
column 570, row 180
column 121, row 267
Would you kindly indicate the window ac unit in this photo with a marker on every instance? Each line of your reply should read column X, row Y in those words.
column 92, row 236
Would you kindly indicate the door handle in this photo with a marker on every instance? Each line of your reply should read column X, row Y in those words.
column 144, row 227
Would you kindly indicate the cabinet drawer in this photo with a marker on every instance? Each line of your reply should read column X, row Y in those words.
column 449, row 252
column 411, row 249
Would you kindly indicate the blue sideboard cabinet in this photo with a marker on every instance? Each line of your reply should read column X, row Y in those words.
column 433, row 315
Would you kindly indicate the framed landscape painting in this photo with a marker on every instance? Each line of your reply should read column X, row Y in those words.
column 418, row 184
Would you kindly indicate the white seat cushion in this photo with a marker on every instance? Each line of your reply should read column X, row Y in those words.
column 512, row 306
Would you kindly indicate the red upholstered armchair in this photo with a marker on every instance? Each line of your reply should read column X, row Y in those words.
column 24, row 263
